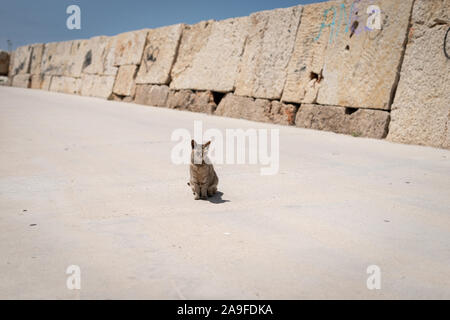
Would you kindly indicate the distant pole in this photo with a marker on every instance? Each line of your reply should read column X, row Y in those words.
column 9, row 45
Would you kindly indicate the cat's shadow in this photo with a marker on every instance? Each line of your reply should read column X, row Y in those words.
column 217, row 198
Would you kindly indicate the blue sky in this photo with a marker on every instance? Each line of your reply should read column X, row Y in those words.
column 38, row 21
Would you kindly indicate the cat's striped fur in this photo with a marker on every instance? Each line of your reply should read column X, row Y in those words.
column 203, row 178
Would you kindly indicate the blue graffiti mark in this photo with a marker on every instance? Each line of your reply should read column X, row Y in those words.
column 342, row 11
column 351, row 19
column 324, row 25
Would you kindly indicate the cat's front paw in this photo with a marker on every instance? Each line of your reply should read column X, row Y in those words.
column 197, row 197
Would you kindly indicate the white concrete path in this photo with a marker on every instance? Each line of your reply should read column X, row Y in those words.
column 89, row 182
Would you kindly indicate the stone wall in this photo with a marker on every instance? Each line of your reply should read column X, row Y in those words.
column 421, row 109
column 339, row 66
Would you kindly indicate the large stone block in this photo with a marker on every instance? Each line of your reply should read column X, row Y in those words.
column 65, row 84
column 55, row 58
column 268, row 49
column 124, row 84
column 97, row 85
column 193, row 40
column 159, row 55
column 109, row 58
column 36, row 58
column 308, row 56
column 46, row 82
column 282, row 113
column 357, row 122
column 151, row 95
column 129, row 47
column 21, row 61
column 256, row 109
column 21, row 80
column 215, row 65
column 93, row 58
column 47, row 65
column 64, row 58
column 36, row 81
column 4, row 63
column 76, row 58
column 40, row 81
column 202, row 101
column 99, row 56
column 342, row 58
column 421, row 109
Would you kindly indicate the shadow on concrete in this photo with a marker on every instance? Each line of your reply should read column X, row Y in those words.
column 217, row 198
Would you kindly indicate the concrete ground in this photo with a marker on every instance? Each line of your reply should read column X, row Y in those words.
column 89, row 182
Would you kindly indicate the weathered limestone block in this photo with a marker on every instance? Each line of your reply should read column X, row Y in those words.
column 308, row 56
column 124, row 84
column 93, row 58
column 21, row 61
column 21, row 80
column 97, row 85
column 357, row 122
column 76, row 58
column 431, row 13
column 366, row 75
column 282, row 113
column 256, row 109
column 65, row 84
column 202, row 101
column 193, row 40
column 151, row 95
column 99, row 56
column 268, row 49
column 109, row 58
column 47, row 65
column 36, row 81
column 342, row 61
column 181, row 99
column 129, row 47
column 215, row 65
column 159, row 55
column 36, row 58
column 64, row 58
column 4, row 63
column 46, row 82
column 40, row 81
column 421, row 109
column 55, row 58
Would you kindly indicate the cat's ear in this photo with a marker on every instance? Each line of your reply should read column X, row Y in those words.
column 206, row 145
column 193, row 143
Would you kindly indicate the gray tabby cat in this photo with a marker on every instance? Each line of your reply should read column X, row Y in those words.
column 204, row 179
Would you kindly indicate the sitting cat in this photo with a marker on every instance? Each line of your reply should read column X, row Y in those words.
column 203, row 179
